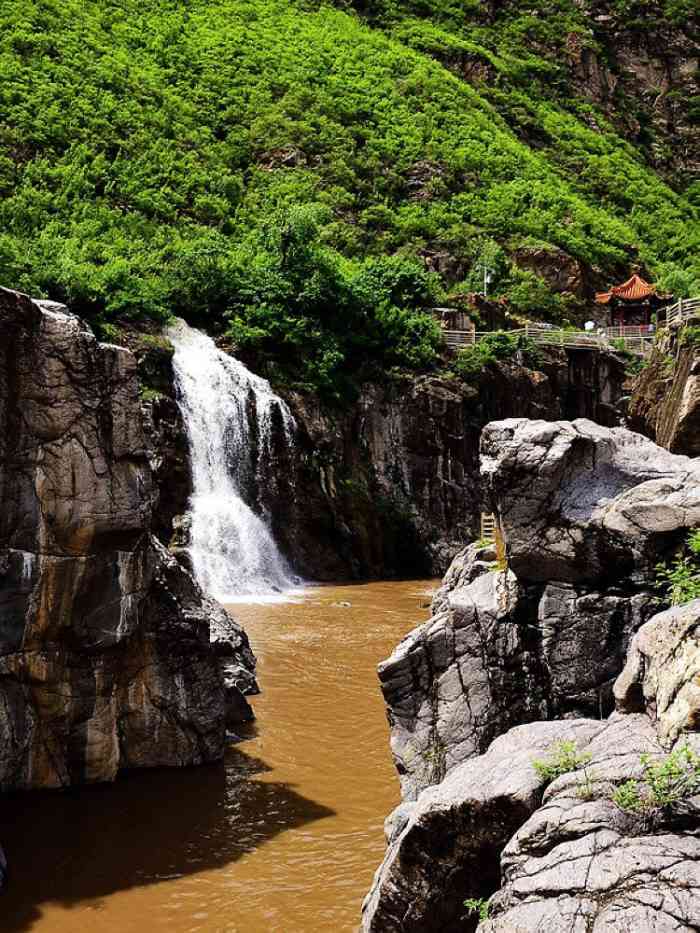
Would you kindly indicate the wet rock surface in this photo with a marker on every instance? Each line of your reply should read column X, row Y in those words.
column 105, row 653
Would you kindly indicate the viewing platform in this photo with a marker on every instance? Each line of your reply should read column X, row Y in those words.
column 634, row 338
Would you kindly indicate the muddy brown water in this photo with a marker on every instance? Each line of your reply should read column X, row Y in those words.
column 284, row 837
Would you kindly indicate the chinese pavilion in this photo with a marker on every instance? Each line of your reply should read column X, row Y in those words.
column 631, row 303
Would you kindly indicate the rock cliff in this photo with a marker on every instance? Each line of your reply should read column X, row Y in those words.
column 585, row 514
column 536, row 628
column 390, row 486
column 665, row 399
column 110, row 656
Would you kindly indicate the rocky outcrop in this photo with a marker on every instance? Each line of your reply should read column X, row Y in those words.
column 537, row 626
column 665, row 400
column 652, row 62
column 106, row 654
column 584, row 513
column 580, row 862
column 566, row 856
column 662, row 673
column 446, row 846
column 580, row 503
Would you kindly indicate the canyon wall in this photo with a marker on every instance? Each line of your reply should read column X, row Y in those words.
column 110, row 656
column 390, row 486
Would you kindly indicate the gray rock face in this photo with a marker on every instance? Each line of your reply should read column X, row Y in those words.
column 105, row 654
column 461, row 679
column 581, row 863
column 445, row 847
column 583, row 514
column 570, row 859
column 580, row 503
column 390, row 485
column 662, row 673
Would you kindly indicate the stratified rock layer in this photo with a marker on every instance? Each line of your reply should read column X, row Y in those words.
column 106, row 658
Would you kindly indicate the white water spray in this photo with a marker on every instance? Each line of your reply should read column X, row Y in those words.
column 233, row 553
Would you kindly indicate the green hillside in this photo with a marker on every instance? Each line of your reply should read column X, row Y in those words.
column 279, row 171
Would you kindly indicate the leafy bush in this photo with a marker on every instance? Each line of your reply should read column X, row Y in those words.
column 325, row 320
column 664, row 783
column 471, row 361
column 586, row 787
column 680, row 581
column 163, row 158
column 562, row 757
column 633, row 364
column 690, row 336
column 478, row 905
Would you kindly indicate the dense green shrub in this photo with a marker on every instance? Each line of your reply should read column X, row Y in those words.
column 680, row 579
column 664, row 783
column 471, row 361
column 478, row 906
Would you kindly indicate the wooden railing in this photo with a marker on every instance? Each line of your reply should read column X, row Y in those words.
column 684, row 310
column 637, row 338
column 456, row 339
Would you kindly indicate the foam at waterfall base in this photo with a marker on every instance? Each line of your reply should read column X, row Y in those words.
column 233, row 552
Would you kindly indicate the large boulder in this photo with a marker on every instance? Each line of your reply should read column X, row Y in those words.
column 445, row 847
column 662, row 673
column 464, row 677
column 562, row 857
column 577, row 503
column 106, row 658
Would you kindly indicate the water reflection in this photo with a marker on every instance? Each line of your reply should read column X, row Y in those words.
column 284, row 838
column 81, row 846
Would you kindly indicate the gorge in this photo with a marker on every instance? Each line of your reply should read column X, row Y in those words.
column 96, row 501
column 349, row 466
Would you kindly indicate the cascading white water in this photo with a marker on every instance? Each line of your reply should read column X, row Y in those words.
column 233, row 552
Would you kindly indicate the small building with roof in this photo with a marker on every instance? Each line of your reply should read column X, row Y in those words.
column 632, row 303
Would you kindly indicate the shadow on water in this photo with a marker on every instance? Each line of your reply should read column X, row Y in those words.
column 80, row 845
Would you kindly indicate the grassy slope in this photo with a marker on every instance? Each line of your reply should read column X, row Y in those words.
column 148, row 146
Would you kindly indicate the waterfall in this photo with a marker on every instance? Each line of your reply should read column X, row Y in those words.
column 229, row 414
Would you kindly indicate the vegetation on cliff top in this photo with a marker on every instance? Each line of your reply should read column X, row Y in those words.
column 280, row 170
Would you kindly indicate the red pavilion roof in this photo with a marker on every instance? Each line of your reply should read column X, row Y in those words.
column 634, row 289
